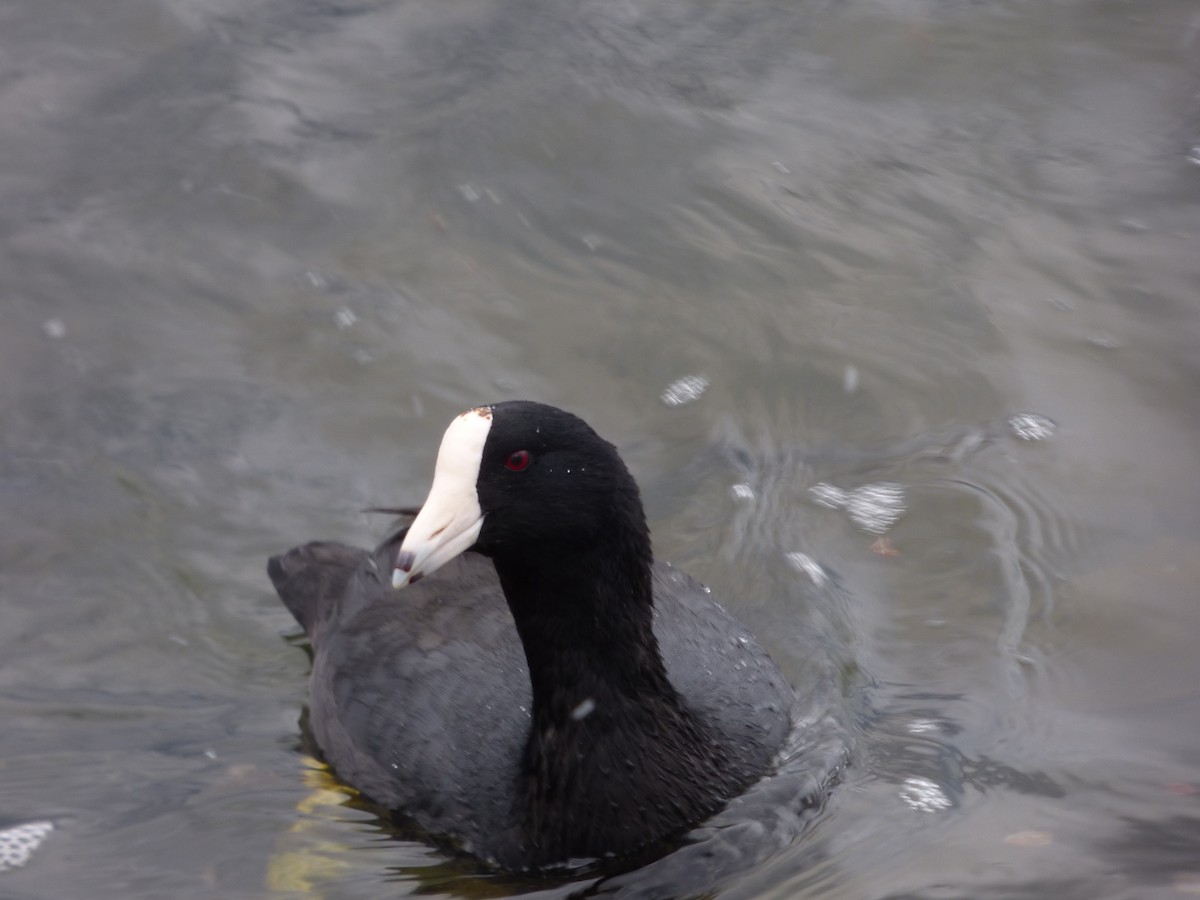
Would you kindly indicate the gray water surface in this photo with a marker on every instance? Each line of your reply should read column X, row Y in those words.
column 897, row 297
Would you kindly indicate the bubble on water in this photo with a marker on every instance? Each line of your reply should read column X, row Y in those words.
column 18, row 843
column 1104, row 341
column 742, row 491
column 850, row 379
column 923, row 795
column 345, row 318
column 875, row 508
column 1031, row 426
column 592, row 241
column 54, row 328
column 469, row 193
column 827, row 495
column 809, row 566
column 686, row 390
column 1194, row 155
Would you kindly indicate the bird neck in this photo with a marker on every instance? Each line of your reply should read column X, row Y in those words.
column 585, row 617
column 613, row 753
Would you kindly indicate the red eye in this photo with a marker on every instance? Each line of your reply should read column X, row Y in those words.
column 518, row 461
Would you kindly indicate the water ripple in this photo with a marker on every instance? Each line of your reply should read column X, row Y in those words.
column 18, row 843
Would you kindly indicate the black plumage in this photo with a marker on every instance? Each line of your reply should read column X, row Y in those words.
column 551, row 694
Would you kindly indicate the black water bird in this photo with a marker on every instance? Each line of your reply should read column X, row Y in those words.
column 542, row 690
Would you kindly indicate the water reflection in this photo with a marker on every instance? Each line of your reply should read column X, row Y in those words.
column 248, row 253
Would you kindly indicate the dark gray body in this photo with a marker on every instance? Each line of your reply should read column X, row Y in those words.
column 421, row 698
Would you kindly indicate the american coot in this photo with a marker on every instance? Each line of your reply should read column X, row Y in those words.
column 542, row 690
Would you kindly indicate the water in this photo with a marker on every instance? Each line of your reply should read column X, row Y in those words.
column 253, row 258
